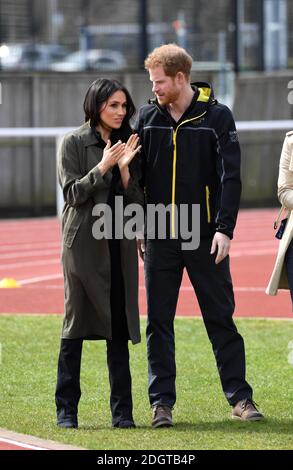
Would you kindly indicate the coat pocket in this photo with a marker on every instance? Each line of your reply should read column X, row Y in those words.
column 71, row 227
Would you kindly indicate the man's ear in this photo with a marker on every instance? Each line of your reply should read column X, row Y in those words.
column 180, row 78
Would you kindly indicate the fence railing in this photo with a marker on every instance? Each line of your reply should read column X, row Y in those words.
column 58, row 132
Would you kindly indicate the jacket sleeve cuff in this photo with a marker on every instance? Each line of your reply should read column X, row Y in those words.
column 287, row 199
column 129, row 193
column 94, row 180
column 225, row 230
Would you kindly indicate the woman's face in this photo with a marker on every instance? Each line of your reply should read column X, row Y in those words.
column 113, row 111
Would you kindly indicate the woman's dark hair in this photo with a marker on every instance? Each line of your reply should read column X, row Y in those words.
column 97, row 94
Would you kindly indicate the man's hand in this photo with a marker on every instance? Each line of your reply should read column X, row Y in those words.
column 221, row 243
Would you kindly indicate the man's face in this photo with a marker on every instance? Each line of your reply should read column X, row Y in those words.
column 165, row 88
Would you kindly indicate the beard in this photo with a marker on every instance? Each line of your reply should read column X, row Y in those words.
column 168, row 98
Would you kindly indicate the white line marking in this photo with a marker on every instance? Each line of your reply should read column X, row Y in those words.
column 24, row 254
column 272, row 242
column 23, row 246
column 34, row 280
column 242, row 253
column 32, row 263
column 245, row 253
column 249, row 289
column 236, row 289
column 52, row 286
column 20, row 444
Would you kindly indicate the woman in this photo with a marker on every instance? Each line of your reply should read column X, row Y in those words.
column 96, row 163
column 282, row 276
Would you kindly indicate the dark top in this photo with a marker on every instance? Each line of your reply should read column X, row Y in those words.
column 118, row 316
column 193, row 161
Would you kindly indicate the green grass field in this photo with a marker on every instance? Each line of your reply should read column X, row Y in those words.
column 30, row 347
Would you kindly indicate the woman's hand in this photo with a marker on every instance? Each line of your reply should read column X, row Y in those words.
column 111, row 156
column 140, row 247
column 130, row 150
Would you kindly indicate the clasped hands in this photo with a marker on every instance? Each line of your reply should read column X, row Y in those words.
column 120, row 154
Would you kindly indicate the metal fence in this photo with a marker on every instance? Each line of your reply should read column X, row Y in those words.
column 258, row 174
column 254, row 34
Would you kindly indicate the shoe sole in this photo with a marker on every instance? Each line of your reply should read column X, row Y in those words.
column 124, row 427
column 162, row 424
column 256, row 418
column 67, row 425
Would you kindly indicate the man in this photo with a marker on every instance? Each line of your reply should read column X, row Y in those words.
column 190, row 155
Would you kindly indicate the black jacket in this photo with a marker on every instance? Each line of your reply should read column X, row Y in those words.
column 193, row 161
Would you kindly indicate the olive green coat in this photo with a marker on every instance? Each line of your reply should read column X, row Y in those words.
column 86, row 260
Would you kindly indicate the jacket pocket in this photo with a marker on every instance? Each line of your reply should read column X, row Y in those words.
column 71, row 227
column 208, row 205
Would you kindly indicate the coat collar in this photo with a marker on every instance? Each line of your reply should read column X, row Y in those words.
column 289, row 136
column 88, row 136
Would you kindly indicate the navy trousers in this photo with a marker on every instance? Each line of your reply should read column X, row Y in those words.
column 164, row 265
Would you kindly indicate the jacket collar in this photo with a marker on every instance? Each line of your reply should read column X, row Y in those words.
column 203, row 98
column 89, row 137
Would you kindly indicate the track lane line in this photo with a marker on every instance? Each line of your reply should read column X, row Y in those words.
column 21, row 444
column 29, row 263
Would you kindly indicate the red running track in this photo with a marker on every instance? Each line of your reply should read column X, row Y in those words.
column 10, row 445
column 30, row 253
column 6, row 446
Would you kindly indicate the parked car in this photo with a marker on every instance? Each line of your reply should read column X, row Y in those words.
column 31, row 56
column 95, row 59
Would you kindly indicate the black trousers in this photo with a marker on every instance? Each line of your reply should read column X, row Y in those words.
column 164, row 264
column 68, row 390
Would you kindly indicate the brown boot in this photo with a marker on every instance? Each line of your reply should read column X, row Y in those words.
column 245, row 410
column 162, row 416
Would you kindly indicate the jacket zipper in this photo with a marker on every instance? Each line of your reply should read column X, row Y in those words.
column 174, row 171
column 208, row 204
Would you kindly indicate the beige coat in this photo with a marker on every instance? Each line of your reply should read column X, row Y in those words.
column 279, row 278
